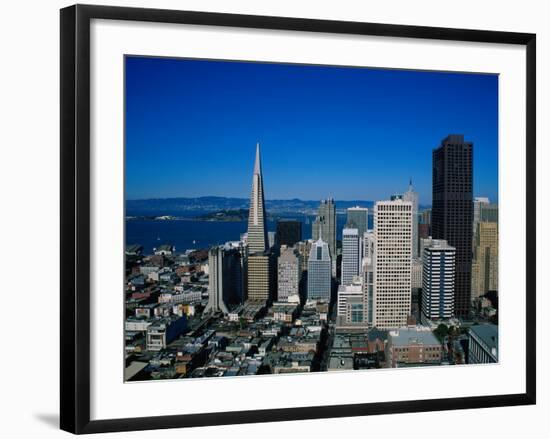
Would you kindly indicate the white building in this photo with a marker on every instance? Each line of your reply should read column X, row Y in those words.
column 368, row 289
column 392, row 263
column 368, row 244
column 438, row 281
column 412, row 196
column 416, row 274
column 351, row 306
column 289, row 273
column 351, row 255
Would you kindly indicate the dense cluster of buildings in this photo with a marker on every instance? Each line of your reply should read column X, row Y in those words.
column 418, row 288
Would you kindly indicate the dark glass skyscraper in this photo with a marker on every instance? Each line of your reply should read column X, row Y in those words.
column 289, row 232
column 452, row 210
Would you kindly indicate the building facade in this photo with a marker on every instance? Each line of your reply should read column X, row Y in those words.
column 452, row 210
column 289, row 232
column 324, row 226
column 412, row 196
column 226, row 279
column 392, row 263
column 262, row 272
column 351, row 255
column 289, row 274
column 257, row 230
column 485, row 276
column 319, row 272
column 413, row 346
column 351, row 303
column 358, row 218
column 483, row 344
column 438, row 281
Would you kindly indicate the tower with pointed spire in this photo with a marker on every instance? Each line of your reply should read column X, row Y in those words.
column 261, row 266
column 257, row 229
column 412, row 196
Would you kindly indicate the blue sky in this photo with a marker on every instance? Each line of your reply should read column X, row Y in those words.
column 349, row 133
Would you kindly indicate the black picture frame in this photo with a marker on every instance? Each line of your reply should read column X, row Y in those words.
column 75, row 217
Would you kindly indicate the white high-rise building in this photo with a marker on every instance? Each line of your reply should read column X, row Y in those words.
column 392, row 263
column 412, row 196
column 319, row 272
column 368, row 244
column 438, row 281
column 289, row 274
column 351, row 255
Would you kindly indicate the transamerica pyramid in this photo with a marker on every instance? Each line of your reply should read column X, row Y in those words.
column 257, row 229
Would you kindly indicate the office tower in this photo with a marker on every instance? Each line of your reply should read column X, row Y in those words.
column 289, row 232
column 304, row 249
column 452, row 210
column 262, row 275
column 270, row 239
column 225, row 284
column 488, row 213
column 478, row 202
column 392, row 263
column 358, row 218
column 412, row 196
column 426, row 217
column 289, row 274
column 416, row 274
column 351, row 255
column 324, row 226
column 438, row 281
column 485, row 265
column 351, row 306
column 261, row 265
column 319, row 272
column 423, row 232
column 368, row 244
column 257, row 229
column 368, row 289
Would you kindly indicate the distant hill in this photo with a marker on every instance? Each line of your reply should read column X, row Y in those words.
column 192, row 207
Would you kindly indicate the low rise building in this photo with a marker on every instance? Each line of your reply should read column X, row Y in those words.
column 413, row 346
column 483, row 344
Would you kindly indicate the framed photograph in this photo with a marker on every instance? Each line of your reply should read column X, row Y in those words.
column 273, row 218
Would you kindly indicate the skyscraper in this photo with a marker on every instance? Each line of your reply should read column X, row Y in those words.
column 452, row 210
column 289, row 274
column 478, row 202
column 261, row 264
column 257, row 229
column 319, row 272
column 358, row 218
column 485, row 259
column 438, row 281
column 368, row 244
column 262, row 275
column 488, row 213
column 289, row 232
column 324, row 226
column 225, row 284
column 392, row 263
column 351, row 255
column 412, row 196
